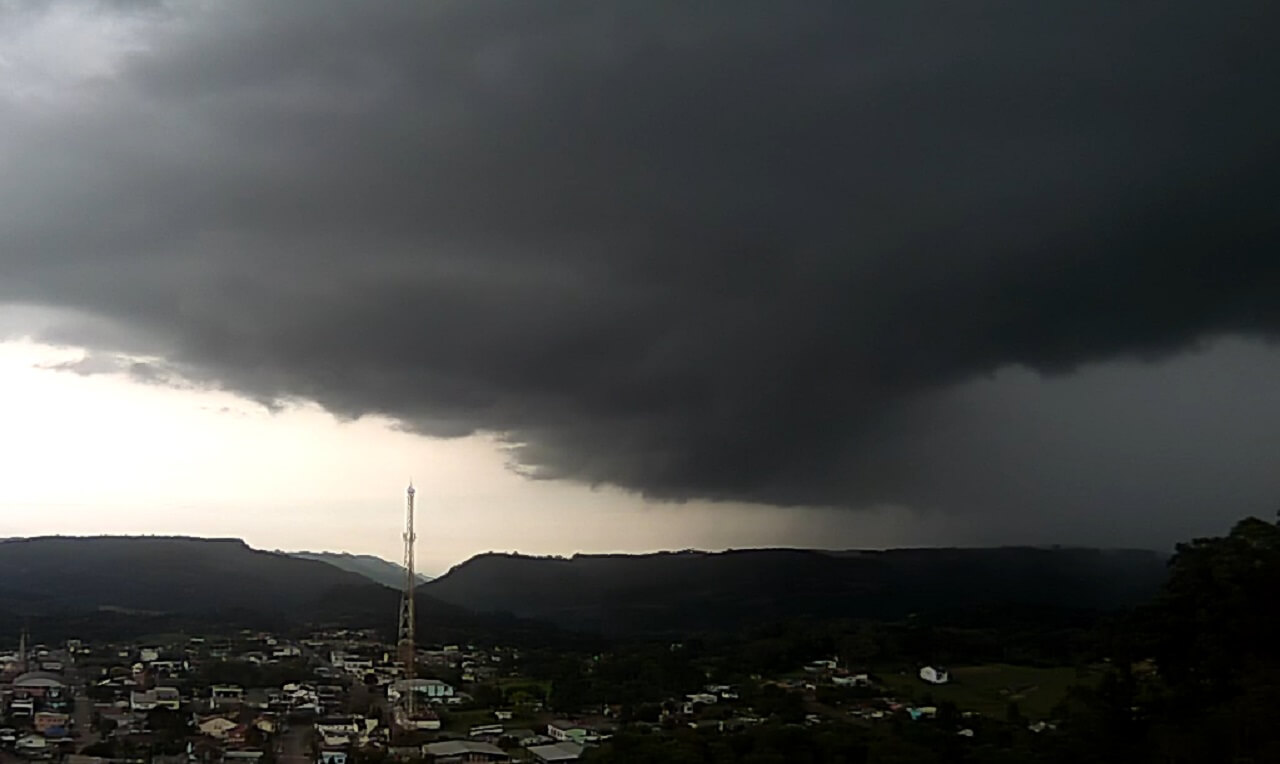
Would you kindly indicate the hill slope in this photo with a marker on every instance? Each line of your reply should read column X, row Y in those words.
column 123, row 586
column 683, row 591
column 373, row 568
column 158, row 574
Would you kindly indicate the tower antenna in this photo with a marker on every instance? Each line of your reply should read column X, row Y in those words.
column 405, row 643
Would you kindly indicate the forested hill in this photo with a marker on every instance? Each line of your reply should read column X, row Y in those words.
column 690, row 591
column 120, row 586
column 151, row 574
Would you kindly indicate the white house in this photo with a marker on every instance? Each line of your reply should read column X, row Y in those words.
column 431, row 689
column 563, row 730
column 934, row 675
column 852, row 680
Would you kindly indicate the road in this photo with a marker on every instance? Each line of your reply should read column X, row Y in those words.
column 294, row 746
column 82, row 705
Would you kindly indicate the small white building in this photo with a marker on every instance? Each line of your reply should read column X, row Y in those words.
column 431, row 689
column 934, row 675
column 852, row 680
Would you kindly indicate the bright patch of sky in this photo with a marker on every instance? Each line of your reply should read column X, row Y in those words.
column 104, row 454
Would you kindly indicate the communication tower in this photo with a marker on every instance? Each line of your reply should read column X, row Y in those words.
column 405, row 643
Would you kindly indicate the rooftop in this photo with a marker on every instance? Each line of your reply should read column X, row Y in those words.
column 461, row 747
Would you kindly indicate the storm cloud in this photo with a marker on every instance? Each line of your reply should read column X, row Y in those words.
column 747, row 251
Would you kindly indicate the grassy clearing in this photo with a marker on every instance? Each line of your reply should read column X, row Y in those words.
column 989, row 688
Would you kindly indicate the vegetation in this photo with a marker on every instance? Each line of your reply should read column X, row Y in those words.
column 1191, row 677
column 990, row 688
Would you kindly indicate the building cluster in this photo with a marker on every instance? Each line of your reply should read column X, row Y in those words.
column 36, row 700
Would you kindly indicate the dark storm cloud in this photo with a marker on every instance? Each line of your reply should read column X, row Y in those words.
column 702, row 251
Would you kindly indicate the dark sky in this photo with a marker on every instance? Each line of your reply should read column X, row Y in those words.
column 1011, row 261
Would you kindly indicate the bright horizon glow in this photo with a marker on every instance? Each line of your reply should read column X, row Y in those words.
column 104, row 454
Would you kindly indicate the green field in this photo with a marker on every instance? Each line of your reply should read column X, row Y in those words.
column 989, row 688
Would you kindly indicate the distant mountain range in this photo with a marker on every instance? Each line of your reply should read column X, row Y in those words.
column 692, row 591
column 158, row 574
column 149, row 584
column 130, row 585
column 373, row 568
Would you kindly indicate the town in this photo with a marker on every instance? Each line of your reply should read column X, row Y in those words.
column 340, row 696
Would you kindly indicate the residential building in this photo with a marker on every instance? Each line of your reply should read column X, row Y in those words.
column 556, row 752
column 47, row 720
column 216, row 726
column 567, row 731
column 226, row 694
column 463, row 752
column 38, row 684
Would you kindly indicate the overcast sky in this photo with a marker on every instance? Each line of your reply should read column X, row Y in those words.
column 625, row 276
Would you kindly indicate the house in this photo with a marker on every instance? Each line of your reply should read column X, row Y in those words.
column 168, row 667
column 47, row 720
column 922, row 712
column 555, row 752
column 723, row 691
column 566, row 731
column 32, row 744
column 819, row 666
column 485, row 730
column 168, row 698
column 216, row 727
column 142, row 701
column 420, row 719
column 463, row 752
column 22, row 707
column 226, row 695
column 37, row 684
column 338, row 725
column 934, row 675
column 431, row 689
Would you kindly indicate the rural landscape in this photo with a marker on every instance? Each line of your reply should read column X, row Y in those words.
column 768, row 382
column 155, row 649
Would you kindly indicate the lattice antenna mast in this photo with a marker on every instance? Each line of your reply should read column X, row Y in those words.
column 405, row 644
